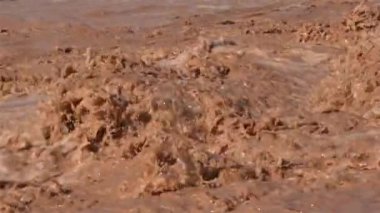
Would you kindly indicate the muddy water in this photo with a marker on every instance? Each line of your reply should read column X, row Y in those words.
column 188, row 105
column 55, row 18
column 101, row 13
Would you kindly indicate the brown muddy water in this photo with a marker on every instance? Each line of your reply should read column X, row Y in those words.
column 189, row 105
